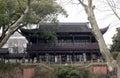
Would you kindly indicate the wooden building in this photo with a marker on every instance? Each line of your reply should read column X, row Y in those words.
column 74, row 42
column 60, row 43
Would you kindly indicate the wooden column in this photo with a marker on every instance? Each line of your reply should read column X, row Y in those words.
column 90, row 38
column 47, row 57
column 28, row 57
column 60, row 61
column 73, row 39
column 73, row 58
column 37, row 56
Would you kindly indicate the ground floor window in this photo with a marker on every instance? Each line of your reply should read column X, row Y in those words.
column 42, row 58
column 68, row 58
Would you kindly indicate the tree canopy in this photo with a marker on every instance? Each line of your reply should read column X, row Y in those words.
column 9, row 21
column 116, row 41
column 8, row 13
column 13, row 12
column 43, row 11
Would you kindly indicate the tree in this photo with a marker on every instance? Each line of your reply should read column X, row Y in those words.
column 43, row 11
column 13, row 12
column 112, row 64
column 10, row 18
column 116, row 42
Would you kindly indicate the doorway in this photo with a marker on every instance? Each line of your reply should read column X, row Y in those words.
column 64, row 58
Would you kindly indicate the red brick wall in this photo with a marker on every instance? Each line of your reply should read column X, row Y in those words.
column 98, row 69
column 28, row 72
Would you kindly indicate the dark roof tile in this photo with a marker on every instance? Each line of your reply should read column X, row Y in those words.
column 4, row 50
column 65, row 27
column 62, row 28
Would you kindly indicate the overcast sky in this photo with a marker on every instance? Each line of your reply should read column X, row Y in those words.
column 103, row 15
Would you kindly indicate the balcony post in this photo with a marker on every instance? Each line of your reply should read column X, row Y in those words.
column 90, row 38
column 37, row 56
column 60, row 59
column 47, row 57
column 28, row 57
column 84, row 57
column 73, row 57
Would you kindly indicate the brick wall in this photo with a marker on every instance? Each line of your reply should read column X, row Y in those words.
column 28, row 72
column 99, row 69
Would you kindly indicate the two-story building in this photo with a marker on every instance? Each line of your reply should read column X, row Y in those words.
column 62, row 43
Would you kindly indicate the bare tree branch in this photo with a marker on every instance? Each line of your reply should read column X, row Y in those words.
column 82, row 2
column 20, row 6
column 110, row 3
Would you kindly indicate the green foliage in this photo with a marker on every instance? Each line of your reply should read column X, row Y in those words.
column 102, row 75
column 115, row 55
column 10, row 70
column 86, row 73
column 7, row 11
column 68, row 72
column 49, row 35
column 43, row 11
column 8, row 66
column 116, row 42
column 43, row 74
column 63, row 72
column 36, row 74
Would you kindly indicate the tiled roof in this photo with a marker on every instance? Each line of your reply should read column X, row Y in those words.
column 66, row 27
column 62, row 28
column 4, row 50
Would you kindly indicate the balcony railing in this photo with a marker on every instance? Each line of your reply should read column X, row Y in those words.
column 62, row 46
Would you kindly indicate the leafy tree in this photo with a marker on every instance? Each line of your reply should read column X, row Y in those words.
column 43, row 11
column 11, row 16
column 13, row 12
column 116, row 41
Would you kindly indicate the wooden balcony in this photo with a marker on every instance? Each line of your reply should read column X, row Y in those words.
column 62, row 47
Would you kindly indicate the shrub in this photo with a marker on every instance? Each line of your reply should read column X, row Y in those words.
column 102, row 75
column 10, row 70
column 63, row 72
column 43, row 73
column 115, row 54
column 68, row 72
column 86, row 73
column 8, row 66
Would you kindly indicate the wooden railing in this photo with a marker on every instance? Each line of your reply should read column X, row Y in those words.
column 63, row 46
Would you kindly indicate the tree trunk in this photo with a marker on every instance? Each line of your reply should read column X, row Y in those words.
column 98, row 35
column 118, row 71
column 113, row 65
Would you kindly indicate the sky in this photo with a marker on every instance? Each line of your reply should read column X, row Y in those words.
column 103, row 13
